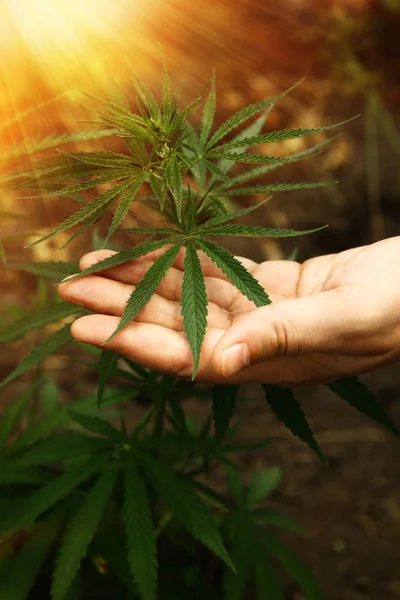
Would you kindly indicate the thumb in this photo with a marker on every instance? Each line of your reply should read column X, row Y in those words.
column 289, row 327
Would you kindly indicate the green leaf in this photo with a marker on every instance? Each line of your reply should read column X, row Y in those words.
column 50, row 346
column 103, row 158
column 215, row 170
column 139, row 530
column 151, row 230
column 108, row 365
column 293, row 565
column 235, row 271
column 157, row 189
column 33, row 146
column 356, row 394
column 225, row 218
column 178, row 414
column 192, row 151
column 97, row 426
column 61, row 447
column 266, row 579
column 194, row 303
column 277, row 519
column 241, row 553
column 97, row 207
column 262, row 484
column 62, row 417
column 27, row 510
column 49, row 270
column 274, row 187
column 23, row 477
column 2, row 253
column 254, row 129
column 80, row 531
column 235, row 484
column 237, row 229
column 274, row 136
column 242, row 116
column 40, row 318
column 263, row 169
column 208, row 115
column 124, row 256
column 255, row 159
column 173, row 180
column 249, row 447
column 185, row 504
column 12, row 414
column 125, row 204
column 288, row 410
column 27, row 563
column 224, row 402
column 147, row 287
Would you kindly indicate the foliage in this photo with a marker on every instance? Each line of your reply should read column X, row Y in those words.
column 105, row 506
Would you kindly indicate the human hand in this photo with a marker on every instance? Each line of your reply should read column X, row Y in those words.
column 332, row 316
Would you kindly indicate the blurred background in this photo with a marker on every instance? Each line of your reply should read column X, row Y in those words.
column 349, row 53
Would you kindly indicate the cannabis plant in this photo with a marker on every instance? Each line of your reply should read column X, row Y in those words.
column 113, row 499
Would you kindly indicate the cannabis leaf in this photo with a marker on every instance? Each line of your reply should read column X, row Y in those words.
column 80, row 532
column 185, row 504
column 207, row 119
column 35, row 320
column 27, row 564
column 288, row 410
column 49, row 270
column 97, row 426
column 124, row 256
column 50, row 346
column 223, row 406
column 356, row 394
column 242, row 116
column 26, row 511
column 235, row 271
column 147, row 286
column 107, row 369
column 194, row 303
column 236, row 229
column 139, row 531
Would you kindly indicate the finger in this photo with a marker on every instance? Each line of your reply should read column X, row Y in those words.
column 219, row 291
column 317, row 323
column 279, row 277
column 111, row 297
column 142, row 343
column 209, row 268
column 292, row 371
column 152, row 346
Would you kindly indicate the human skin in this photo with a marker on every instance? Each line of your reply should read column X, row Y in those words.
column 331, row 316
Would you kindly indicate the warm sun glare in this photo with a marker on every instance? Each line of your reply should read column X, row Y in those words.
column 49, row 47
column 46, row 24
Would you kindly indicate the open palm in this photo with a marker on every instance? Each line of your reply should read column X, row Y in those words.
column 323, row 322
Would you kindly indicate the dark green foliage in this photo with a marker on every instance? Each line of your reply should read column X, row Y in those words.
column 356, row 393
column 139, row 531
column 127, row 510
column 81, row 529
column 224, row 402
column 108, row 365
column 288, row 410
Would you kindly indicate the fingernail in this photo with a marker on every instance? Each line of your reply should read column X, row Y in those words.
column 234, row 359
column 73, row 301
